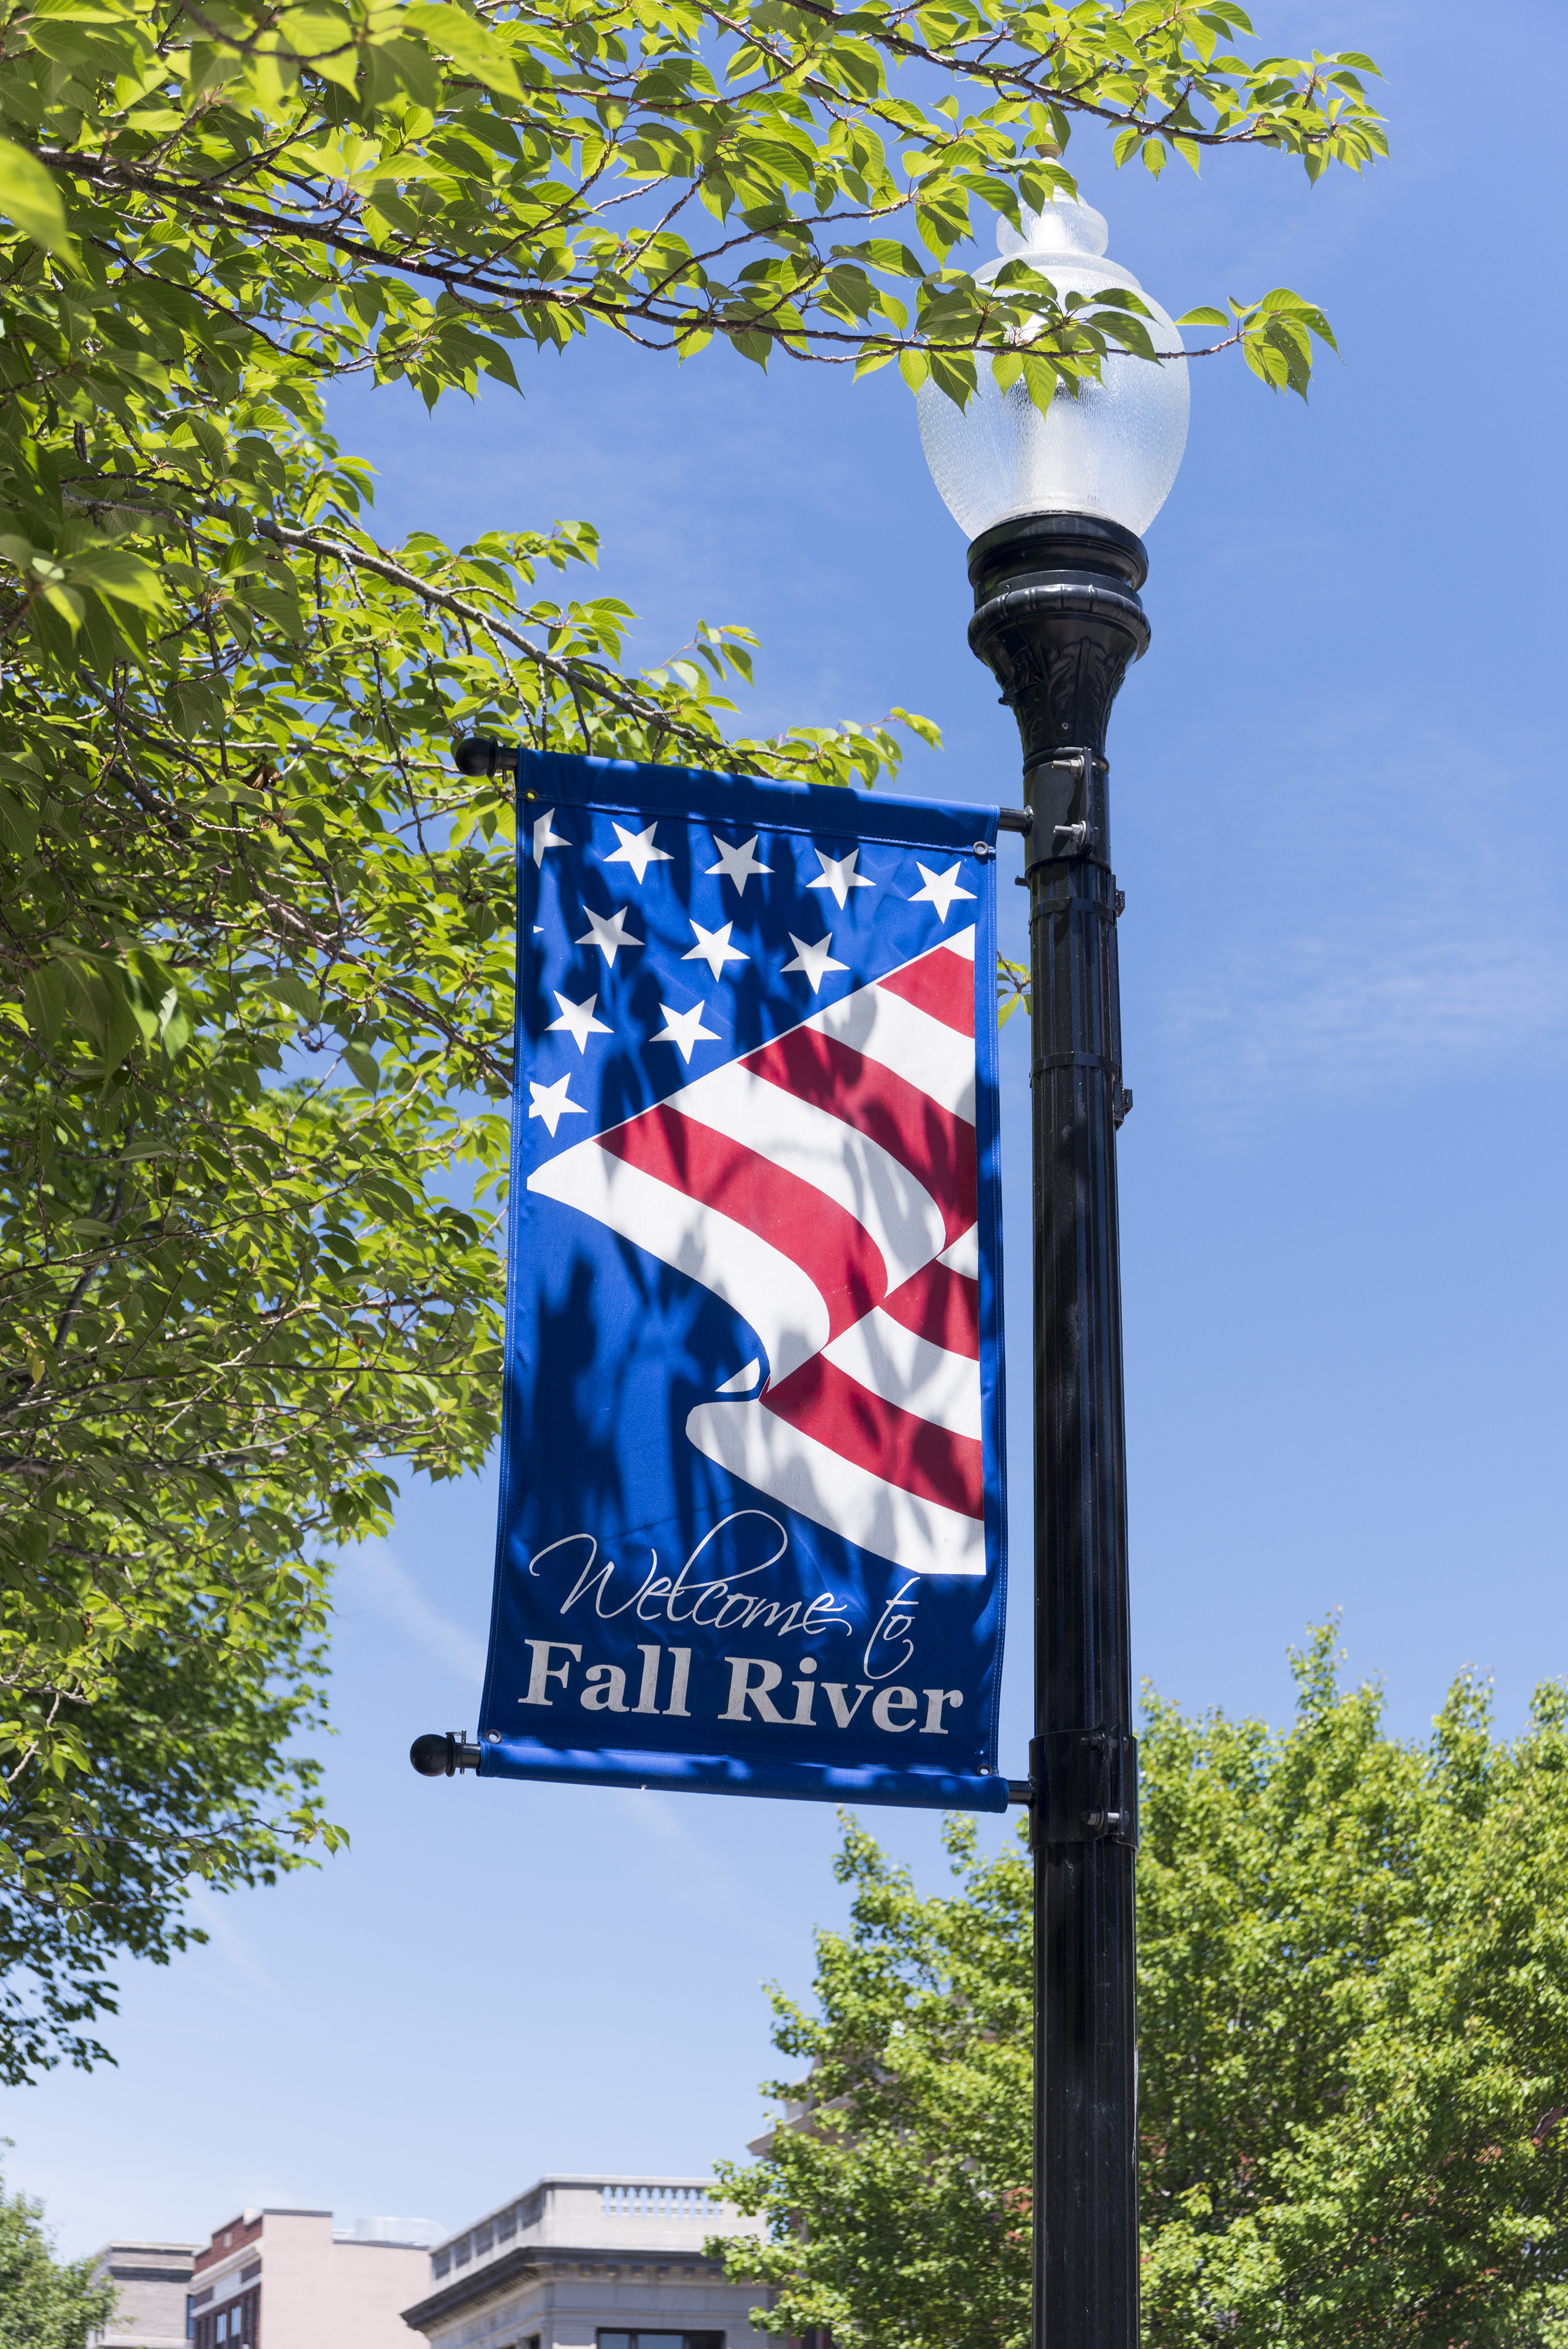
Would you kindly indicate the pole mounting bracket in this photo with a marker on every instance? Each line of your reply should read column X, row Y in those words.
column 435, row 1756
column 1085, row 1787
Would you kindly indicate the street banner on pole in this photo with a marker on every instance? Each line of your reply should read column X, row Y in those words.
column 751, row 1513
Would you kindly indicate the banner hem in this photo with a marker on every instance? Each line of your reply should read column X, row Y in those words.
column 718, row 1774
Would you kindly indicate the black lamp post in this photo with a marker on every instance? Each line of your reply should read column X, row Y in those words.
column 1057, row 619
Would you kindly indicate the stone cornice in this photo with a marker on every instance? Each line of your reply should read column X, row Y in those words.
column 537, row 2258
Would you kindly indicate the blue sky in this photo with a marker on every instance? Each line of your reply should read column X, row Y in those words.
column 1339, row 821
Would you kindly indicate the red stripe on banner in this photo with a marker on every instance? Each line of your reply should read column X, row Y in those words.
column 942, row 1306
column 836, row 1254
column 941, row 983
column 937, row 1147
column 836, row 1411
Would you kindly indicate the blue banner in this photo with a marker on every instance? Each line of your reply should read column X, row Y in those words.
column 752, row 1515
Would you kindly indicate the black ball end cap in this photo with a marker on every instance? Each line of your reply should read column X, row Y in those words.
column 431, row 1756
column 483, row 754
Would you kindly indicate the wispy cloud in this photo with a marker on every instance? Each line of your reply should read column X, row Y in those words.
column 1396, row 932
column 371, row 1577
column 681, row 1858
column 215, row 1918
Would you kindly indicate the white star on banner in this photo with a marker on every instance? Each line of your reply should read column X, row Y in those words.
column 545, row 838
column 738, row 864
column 815, row 961
column 550, row 1103
column 713, row 947
column 941, row 889
column 637, row 849
column 685, row 1029
column 578, row 1020
column 607, row 931
column 839, row 874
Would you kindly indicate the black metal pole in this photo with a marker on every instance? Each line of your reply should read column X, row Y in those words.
column 1057, row 619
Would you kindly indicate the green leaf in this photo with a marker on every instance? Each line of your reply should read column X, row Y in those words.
column 472, row 47
column 30, row 196
column 1281, row 301
column 1042, row 378
column 44, row 994
column 117, row 571
column 18, row 824
column 926, row 727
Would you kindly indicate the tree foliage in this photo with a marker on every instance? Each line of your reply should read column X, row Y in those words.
column 45, row 2303
column 254, row 954
column 258, row 986
column 412, row 184
column 1353, row 1979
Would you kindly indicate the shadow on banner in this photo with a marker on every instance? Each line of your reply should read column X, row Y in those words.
column 752, row 1515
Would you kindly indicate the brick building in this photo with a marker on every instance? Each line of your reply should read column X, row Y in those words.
column 285, row 2278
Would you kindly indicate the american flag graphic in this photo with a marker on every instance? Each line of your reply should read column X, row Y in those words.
column 825, row 1185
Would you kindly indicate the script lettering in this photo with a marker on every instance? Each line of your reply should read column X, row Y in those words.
column 893, row 1626
column 714, row 1605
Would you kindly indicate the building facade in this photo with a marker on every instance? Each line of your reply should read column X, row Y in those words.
column 591, row 2263
column 151, row 2282
column 287, row 2279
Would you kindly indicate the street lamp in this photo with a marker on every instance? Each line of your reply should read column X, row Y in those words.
column 1052, row 504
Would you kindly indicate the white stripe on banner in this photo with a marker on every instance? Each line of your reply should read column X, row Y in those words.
column 782, row 1303
column 846, row 1166
column 793, row 1468
column 927, row 1053
column 964, row 1254
column 900, row 1367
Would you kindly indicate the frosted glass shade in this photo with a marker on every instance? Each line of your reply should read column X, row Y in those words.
column 1113, row 451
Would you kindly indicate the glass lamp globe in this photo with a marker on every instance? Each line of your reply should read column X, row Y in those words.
column 1112, row 452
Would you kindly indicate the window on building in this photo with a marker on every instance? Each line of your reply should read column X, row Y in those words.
column 659, row 2340
column 441, row 2264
